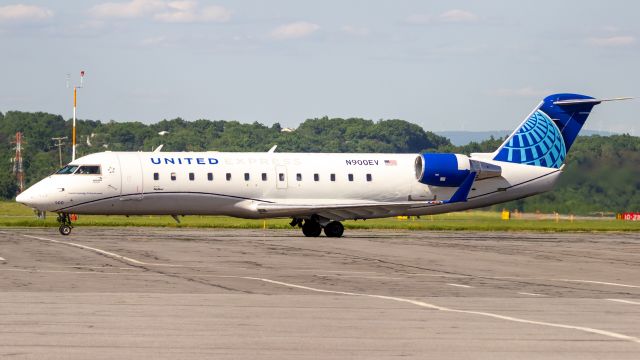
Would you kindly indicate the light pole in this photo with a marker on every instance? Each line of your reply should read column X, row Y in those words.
column 59, row 143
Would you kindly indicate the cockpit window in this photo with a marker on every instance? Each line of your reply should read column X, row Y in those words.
column 89, row 170
column 69, row 169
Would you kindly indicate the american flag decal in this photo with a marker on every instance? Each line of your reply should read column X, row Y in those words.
column 390, row 162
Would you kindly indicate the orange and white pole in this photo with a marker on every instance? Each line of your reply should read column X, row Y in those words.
column 75, row 104
column 73, row 130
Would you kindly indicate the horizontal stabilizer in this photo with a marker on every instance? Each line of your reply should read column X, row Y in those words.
column 588, row 101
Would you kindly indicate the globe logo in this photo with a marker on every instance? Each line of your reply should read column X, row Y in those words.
column 537, row 142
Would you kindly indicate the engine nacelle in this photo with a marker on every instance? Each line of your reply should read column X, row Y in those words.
column 451, row 169
column 442, row 169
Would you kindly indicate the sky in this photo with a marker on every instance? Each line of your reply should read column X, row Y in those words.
column 445, row 65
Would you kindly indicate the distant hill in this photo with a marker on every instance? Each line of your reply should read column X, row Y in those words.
column 459, row 138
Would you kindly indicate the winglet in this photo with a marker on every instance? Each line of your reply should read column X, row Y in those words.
column 462, row 193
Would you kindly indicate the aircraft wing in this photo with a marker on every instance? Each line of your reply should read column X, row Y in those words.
column 359, row 209
column 340, row 211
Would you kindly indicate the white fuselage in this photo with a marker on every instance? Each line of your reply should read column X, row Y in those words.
column 234, row 184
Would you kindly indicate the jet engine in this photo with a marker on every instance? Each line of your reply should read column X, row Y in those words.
column 451, row 169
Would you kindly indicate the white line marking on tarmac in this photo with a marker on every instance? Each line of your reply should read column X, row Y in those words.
column 530, row 294
column 99, row 251
column 598, row 282
column 339, row 271
column 360, row 276
column 441, row 308
column 80, row 272
column 625, row 301
column 439, row 275
column 97, row 267
column 460, row 285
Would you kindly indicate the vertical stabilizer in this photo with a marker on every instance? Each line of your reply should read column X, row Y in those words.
column 546, row 136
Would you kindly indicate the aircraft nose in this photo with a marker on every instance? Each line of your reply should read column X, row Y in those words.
column 21, row 198
column 34, row 197
column 26, row 198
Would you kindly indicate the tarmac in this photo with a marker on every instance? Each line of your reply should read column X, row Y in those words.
column 178, row 293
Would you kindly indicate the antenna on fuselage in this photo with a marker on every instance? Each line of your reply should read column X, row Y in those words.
column 273, row 149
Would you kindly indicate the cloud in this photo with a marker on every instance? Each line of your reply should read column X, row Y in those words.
column 24, row 13
column 450, row 16
column 131, row 9
column 526, row 91
column 457, row 15
column 355, row 30
column 612, row 41
column 188, row 11
column 418, row 19
column 183, row 11
column 294, row 30
column 157, row 40
column 611, row 28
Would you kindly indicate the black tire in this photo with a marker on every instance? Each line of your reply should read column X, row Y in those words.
column 311, row 228
column 65, row 230
column 334, row 229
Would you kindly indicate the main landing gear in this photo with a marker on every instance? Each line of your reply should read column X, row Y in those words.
column 313, row 227
column 65, row 223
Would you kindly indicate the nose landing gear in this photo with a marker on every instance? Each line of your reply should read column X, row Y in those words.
column 65, row 223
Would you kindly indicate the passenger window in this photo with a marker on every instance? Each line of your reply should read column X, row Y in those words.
column 69, row 169
column 173, row 176
column 89, row 170
column 156, row 176
column 264, row 176
column 246, row 176
column 191, row 176
column 210, row 176
column 350, row 177
column 316, row 177
column 228, row 176
column 281, row 176
column 299, row 177
column 333, row 177
column 369, row 177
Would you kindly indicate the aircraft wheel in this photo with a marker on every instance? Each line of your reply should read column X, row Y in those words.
column 311, row 228
column 65, row 229
column 334, row 229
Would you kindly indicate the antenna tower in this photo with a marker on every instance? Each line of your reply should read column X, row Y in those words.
column 18, row 169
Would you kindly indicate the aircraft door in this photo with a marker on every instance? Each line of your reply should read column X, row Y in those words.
column 281, row 177
column 131, row 187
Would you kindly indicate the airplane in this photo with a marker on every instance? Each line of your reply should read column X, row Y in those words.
column 317, row 190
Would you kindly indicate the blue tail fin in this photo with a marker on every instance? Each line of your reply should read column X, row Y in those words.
column 546, row 136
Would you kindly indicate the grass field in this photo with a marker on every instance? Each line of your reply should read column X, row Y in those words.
column 17, row 215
